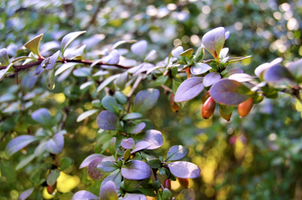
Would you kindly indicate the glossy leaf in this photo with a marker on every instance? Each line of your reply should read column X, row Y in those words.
column 139, row 48
column 107, row 120
column 230, row 92
column 145, row 100
column 110, row 104
column 127, row 143
column 136, row 170
column 189, row 89
column 55, row 144
column 33, row 44
column 136, row 128
column 211, row 78
column 132, row 116
column 107, row 166
column 177, row 152
column 24, row 195
column 140, row 146
column 183, row 169
column 116, row 177
column 50, row 80
column 90, row 158
column 86, row 114
column 279, row 74
column 84, row 195
column 200, row 68
column 4, row 59
column 18, row 143
column 42, row 116
column 52, row 177
column 177, row 51
column 106, row 82
column 187, row 194
column 214, row 40
column 25, row 161
column 113, row 58
column 93, row 171
column 64, row 67
column 154, row 138
column 242, row 77
column 108, row 191
column 67, row 39
column 130, row 196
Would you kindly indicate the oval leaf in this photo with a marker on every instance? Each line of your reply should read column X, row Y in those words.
column 279, row 74
column 67, row 39
column 64, row 67
column 200, row 68
column 177, row 152
column 116, row 177
column 18, row 143
column 50, row 80
column 241, row 77
column 107, row 166
column 106, row 82
column 154, row 138
column 4, row 59
column 136, row 170
column 82, row 72
column 127, row 143
column 230, row 92
column 55, row 144
column 214, row 40
column 93, row 171
column 183, row 169
column 50, row 62
column 189, row 89
column 110, row 104
column 187, row 194
column 52, row 177
column 140, row 146
column 211, row 78
column 113, row 58
column 25, row 194
column 108, row 191
column 84, row 195
column 129, row 196
column 136, row 128
column 140, row 47
column 90, row 158
column 42, row 116
column 145, row 100
column 86, row 114
column 107, row 120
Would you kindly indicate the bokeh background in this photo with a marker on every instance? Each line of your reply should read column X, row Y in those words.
column 258, row 157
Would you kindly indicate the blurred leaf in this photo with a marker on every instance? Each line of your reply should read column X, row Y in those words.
column 214, row 40
column 33, row 44
column 167, row 194
column 65, row 163
column 3, row 72
column 242, row 77
column 82, row 72
column 18, row 143
column 87, row 84
column 86, row 114
column 110, row 104
column 67, row 39
column 50, row 80
column 127, row 143
column 230, row 92
column 211, row 78
column 50, row 62
column 129, row 196
column 145, row 100
column 155, row 163
column 64, row 67
column 236, row 59
column 139, row 48
column 183, row 169
column 106, row 82
column 127, row 155
column 107, row 166
column 112, row 146
column 189, row 89
column 199, row 68
column 136, row 170
column 187, row 194
column 177, row 51
column 55, row 144
column 84, row 195
column 132, row 116
column 131, row 185
column 122, row 80
column 24, row 195
column 107, row 120
column 161, row 80
column 279, row 75
column 177, row 152
column 108, row 191
column 115, row 45
column 4, row 59
column 113, row 58
column 187, row 53
column 52, row 177
column 25, row 161
column 296, row 69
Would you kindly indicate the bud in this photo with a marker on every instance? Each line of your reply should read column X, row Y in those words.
column 224, row 115
column 208, row 108
column 167, row 184
column 51, row 188
column 184, row 182
column 245, row 107
column 173, row 105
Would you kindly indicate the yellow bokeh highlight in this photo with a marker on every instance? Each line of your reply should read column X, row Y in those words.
column 239, row 147
column 65, row 182
column 209, row 192
column 127, row 90
column 247, row 61
column 175, row 185
column 59, row 97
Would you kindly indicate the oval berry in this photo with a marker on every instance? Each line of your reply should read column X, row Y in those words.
column 245, row 107
column 208, row 108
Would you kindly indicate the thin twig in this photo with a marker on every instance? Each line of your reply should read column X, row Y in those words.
column 95, row 14
column 167, row 88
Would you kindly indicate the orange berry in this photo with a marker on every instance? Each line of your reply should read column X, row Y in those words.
column 208, row 108
column 184, row 182
column 245, row 107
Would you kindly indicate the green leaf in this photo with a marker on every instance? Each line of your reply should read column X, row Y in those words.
column 33, row 44
column 112, row 146
column 107, row 166
column 131, row 185
column 155, row 163
column 42, row 116
column 110, row 104
column 86, row 114
column 187, row 53
column 4, row 59
column 214, row 40
column 236, row 59
column 161, row 80
column 50, row 79
column 25, row 161
column 3, row 72
column 108, row 191
column 106, row 82
column 65, row 163
column 67, row 39
column 127, row 155
column 132, row 116
column 64, row 67
column 167, row 194
column 199, row 54
column 52, row 177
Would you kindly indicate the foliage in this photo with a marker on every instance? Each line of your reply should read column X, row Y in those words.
column 73, row 98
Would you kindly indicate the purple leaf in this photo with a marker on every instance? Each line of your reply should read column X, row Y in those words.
column 25, row 194
column 140, row 146
column 230, row 92
column 145, row 100
column 67, row 39
column 93, row 171
column 189, row 89
column 107, row 166
column 177, row 51
column 84, row 195
column 296, row 69
column 154, row 138
column 113, row 58
column 55, row 144
column 107, row 120
column 214, row 40
column 183, row 169
column 129, row 196
column 211, row 78
column 261, row 68
column 50, row 62
column 42, row 116
column 136, row 128
column 90, row 158
column 108, row 191
column 140, row 47
column 200, row 68
column 116, row 177
column 127, row 143
column 136, row 170
column 241, row 77
column 279, row 74
column 143, row 68
column 177, row 152
column 234, row 71
column 82, row 72
column 18, row 143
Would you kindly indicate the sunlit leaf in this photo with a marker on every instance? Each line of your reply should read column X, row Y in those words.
column 108, row 191
column 200, row 68
column 67, row 39
column 50, row 62
column 177, row 152
column 33, row 44
column 279, row 75
column 145, row 100
column 134, row 129
column 140, row 146
column 177, row 51
column 211, row 78
column 214, row 40
column 122, row 42
column 64, row 67
column 184, row 169
column 107, row 166
column 189, row 89
column 18, row 143
column 87, row 84
column 187, row 53
column 86, row 114
column 136, row 170
column 82, row 72
column 296, row 69
column 4, row 59
column 132, row 116
column 241, row 77
column 90, row 158
column 127, row 143
column 236, row 59
column 25, row 161
column 153, row 137
column 55, row 144
column 113, row 58
column 106, row 82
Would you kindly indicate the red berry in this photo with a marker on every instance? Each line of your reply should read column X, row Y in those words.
column 167, row 184
column 208, row 108
column 184, row 182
